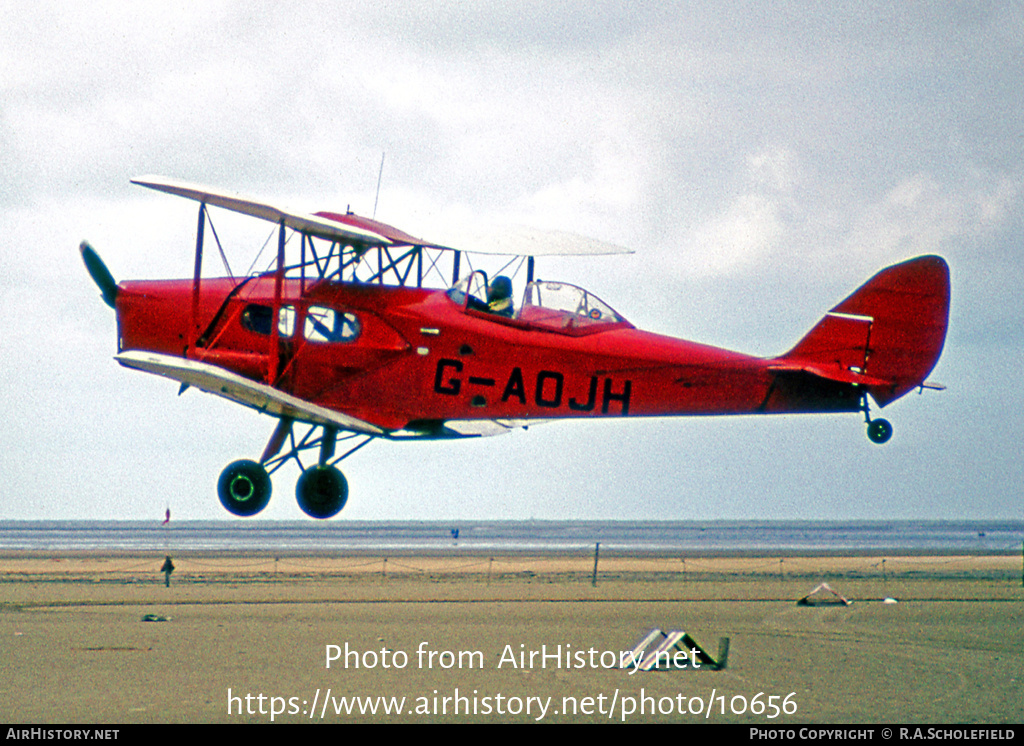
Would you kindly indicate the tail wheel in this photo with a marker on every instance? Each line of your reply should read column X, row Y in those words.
column 879, row 431
column 321, row 491
column 244, row 488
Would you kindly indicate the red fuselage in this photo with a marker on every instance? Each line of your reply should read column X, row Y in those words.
column 406, row 358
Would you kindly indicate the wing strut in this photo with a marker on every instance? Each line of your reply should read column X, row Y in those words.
column 275, row 331
column 193, row 327
column 455, row 269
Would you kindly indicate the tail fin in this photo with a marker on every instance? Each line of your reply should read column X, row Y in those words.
column 887, row 336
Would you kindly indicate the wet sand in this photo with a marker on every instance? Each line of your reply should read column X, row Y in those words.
column 74, row 648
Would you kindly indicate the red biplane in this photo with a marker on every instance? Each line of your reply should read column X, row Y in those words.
column 326, row 342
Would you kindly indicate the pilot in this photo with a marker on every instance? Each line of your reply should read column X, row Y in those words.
column 499, row 296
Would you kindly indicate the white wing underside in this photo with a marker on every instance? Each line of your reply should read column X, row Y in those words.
column 487, row 428
column 216, row 380
column 268, row 400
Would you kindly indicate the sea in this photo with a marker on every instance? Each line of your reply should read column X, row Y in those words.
column 473, row 536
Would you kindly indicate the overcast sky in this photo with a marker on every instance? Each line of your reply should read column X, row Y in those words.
column 762, row 159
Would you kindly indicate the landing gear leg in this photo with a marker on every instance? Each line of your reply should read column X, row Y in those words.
column 322, row 490
column 879, row 431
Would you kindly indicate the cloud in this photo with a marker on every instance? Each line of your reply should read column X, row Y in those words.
column 751, row 226
column 923, row 215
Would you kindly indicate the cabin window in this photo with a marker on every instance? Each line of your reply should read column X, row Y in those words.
column 286, row 321
column 328, row 325
column 256, row 318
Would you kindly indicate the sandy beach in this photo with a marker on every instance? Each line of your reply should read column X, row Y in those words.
column 246, row 638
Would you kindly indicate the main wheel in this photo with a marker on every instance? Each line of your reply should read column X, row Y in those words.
column 321, row 491
column 879, row 431
column 244, row 488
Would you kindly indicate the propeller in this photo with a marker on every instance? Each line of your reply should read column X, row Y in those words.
column 99, row 273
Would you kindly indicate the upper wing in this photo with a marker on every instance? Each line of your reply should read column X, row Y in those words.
column 314, row 225
column 216, row 380
column 519, row 240
column 360, row 231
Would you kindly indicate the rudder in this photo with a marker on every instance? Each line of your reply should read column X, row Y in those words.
column 888, row 334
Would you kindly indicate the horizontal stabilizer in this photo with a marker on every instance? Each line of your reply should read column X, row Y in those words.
column 266, row 399
column 830, row 372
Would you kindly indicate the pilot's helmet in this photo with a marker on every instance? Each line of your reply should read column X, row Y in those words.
column 501, row 288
